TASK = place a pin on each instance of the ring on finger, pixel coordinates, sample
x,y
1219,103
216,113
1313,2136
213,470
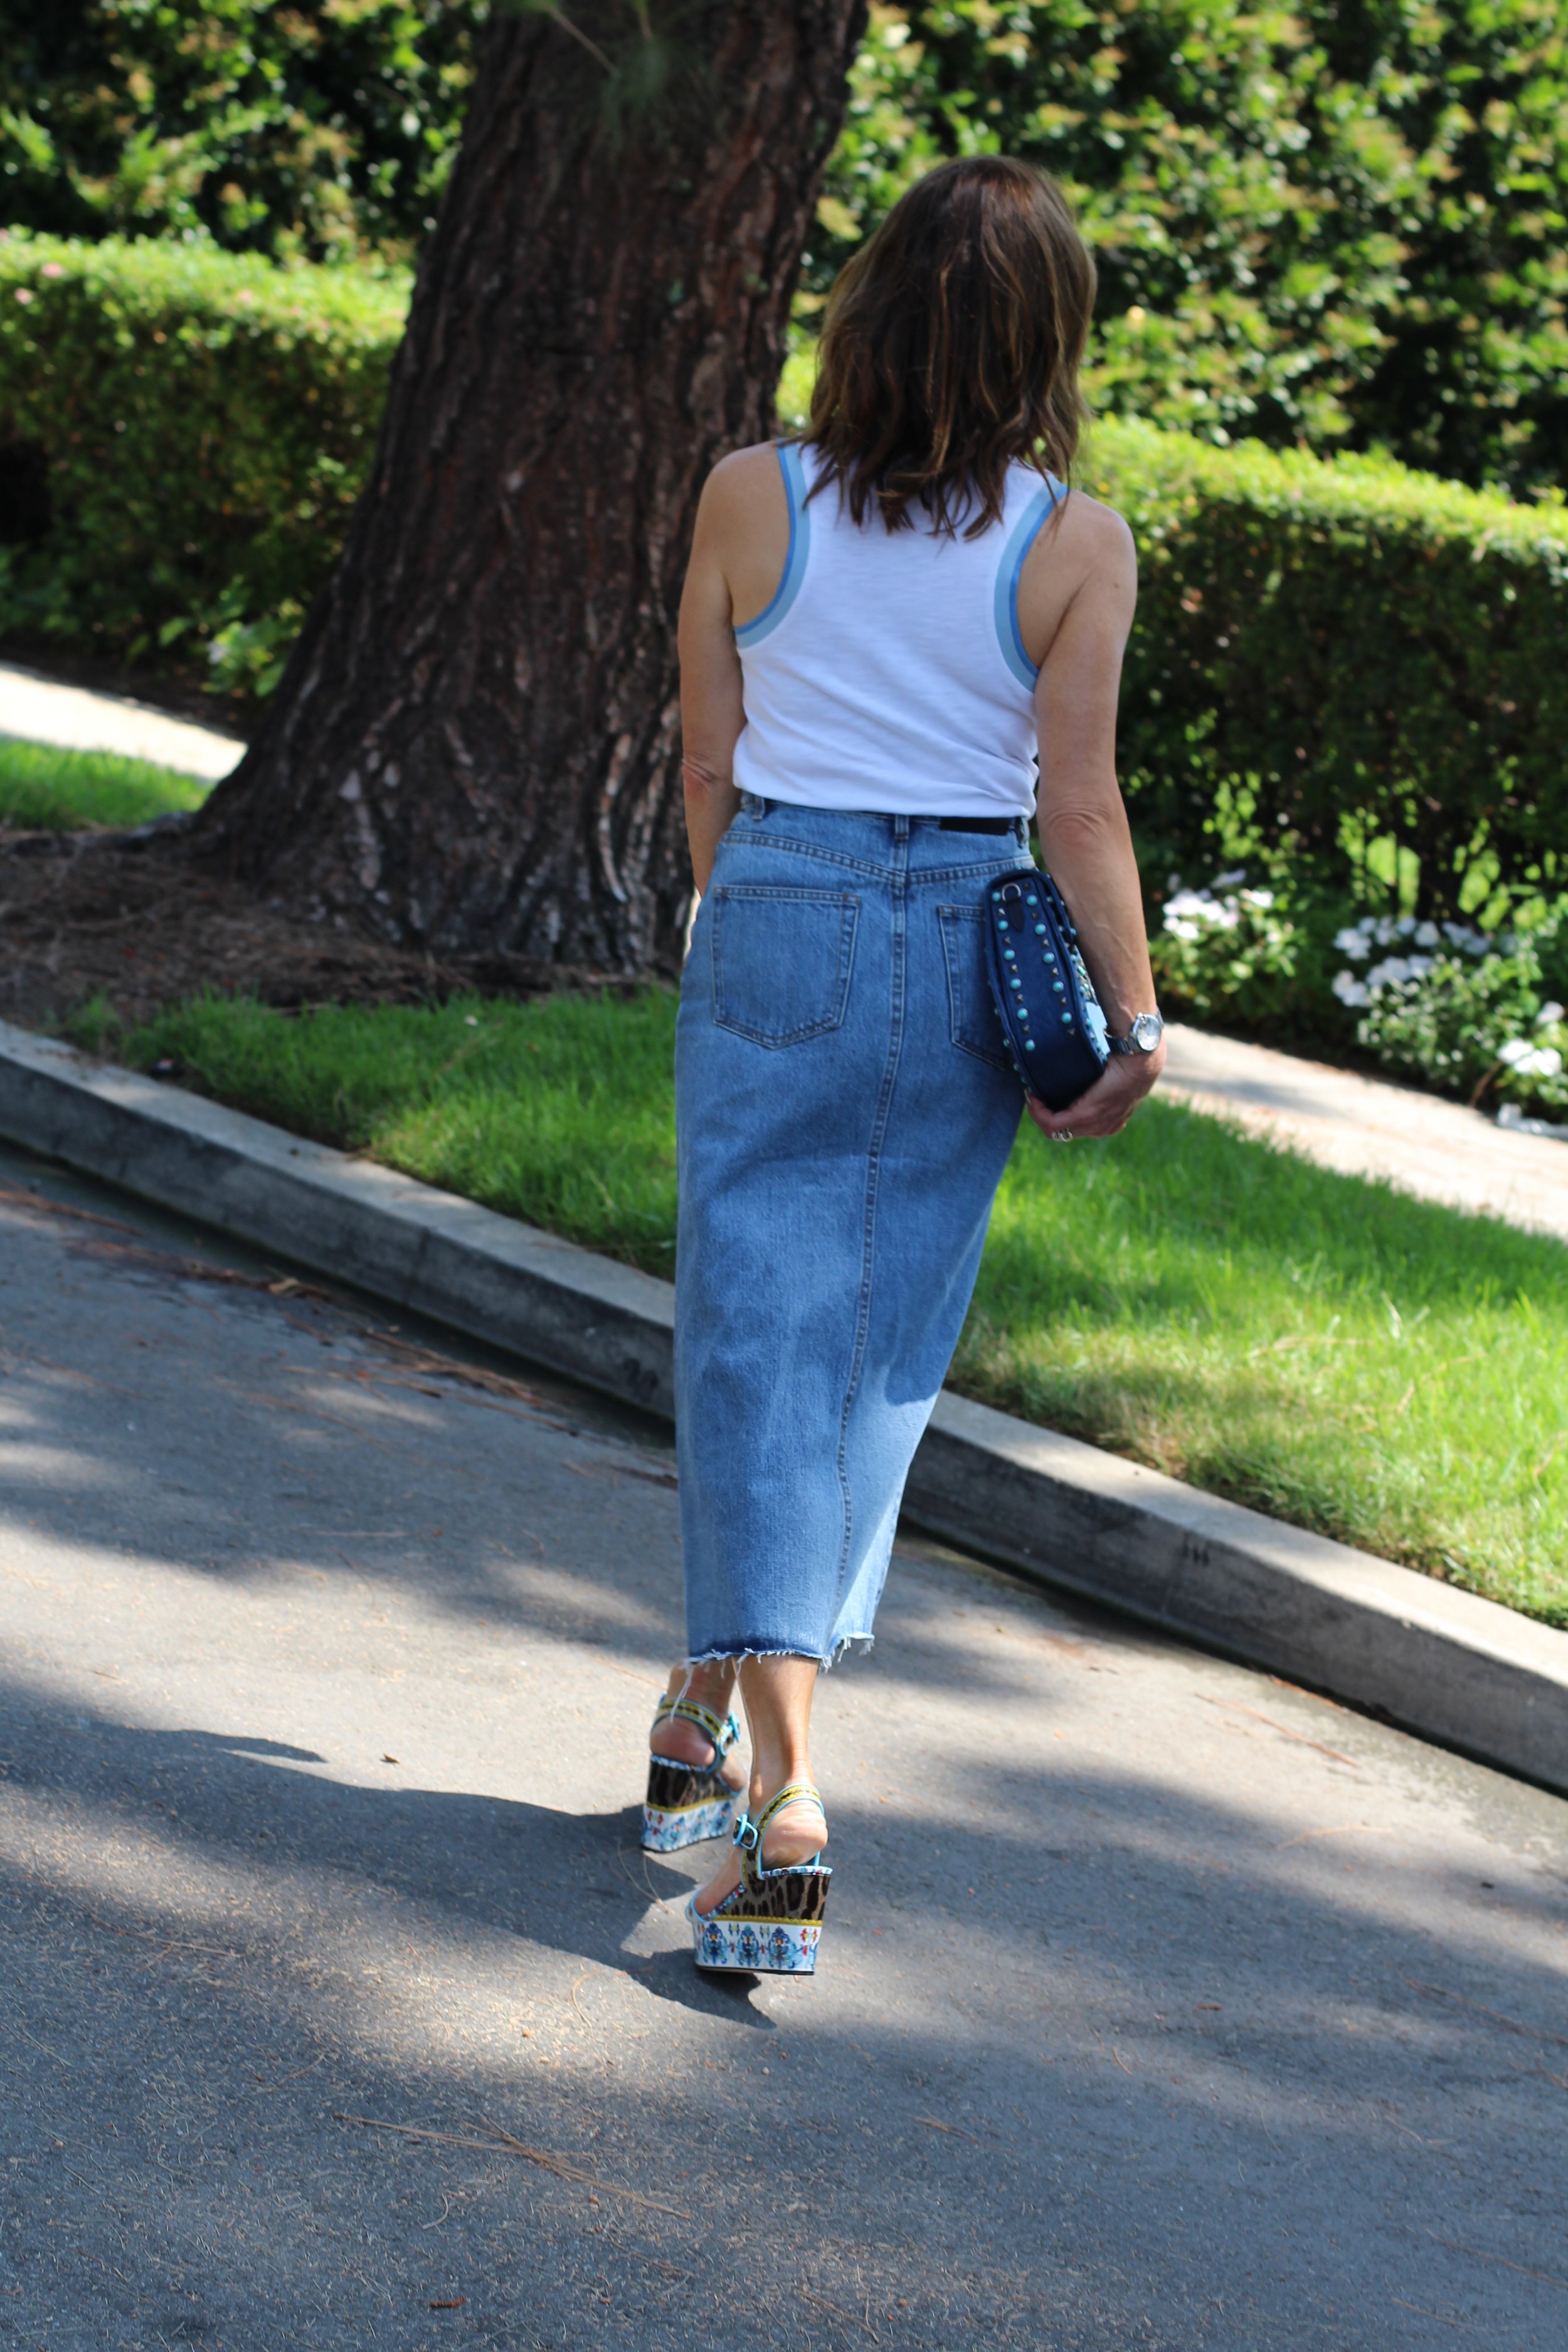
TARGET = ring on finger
x,y
1062,1134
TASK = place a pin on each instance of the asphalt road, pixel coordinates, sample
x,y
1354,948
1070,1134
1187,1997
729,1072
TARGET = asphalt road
x,y
1160,2005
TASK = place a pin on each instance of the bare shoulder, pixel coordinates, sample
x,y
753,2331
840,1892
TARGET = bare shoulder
x,y
1091,538
746,480
742,528
1083,563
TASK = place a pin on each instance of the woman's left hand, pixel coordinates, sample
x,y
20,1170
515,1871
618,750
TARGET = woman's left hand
x,y
1108,1105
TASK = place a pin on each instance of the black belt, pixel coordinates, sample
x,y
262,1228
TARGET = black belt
x,y
977,824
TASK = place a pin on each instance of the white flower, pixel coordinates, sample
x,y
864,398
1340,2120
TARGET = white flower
x,y
1548,1016
1527,1061
1264,899
1352,941
1388,973
1228,881
1427,935
1349,989
1418,966
1407,927
1179,929
1384,932
1461,935
1197,906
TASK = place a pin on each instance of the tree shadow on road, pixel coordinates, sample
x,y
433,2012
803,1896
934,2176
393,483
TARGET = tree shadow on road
x,y
1064,2034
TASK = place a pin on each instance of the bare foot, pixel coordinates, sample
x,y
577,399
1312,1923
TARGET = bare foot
x,y
713,1686
796,1834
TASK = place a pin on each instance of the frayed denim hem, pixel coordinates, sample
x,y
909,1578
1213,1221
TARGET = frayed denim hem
x,y
823,1664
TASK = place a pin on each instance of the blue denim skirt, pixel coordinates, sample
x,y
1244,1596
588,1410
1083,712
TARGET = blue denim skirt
x,y
844,1107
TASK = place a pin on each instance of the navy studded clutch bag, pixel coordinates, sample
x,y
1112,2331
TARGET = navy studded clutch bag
x,y
1050,1015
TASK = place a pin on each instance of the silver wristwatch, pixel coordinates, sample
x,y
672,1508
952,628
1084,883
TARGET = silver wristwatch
x,y
1145,1033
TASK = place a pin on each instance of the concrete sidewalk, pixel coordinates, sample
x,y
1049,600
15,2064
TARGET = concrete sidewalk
x,y
39,709
1160,2005
1365,1127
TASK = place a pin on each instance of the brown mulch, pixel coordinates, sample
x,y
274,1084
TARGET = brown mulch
x,y
146,923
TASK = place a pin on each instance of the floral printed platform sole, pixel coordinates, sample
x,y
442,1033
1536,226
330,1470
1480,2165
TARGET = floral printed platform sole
x,y
771,1924
688,1802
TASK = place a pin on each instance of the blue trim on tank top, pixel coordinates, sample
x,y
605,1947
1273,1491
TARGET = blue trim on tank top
x,y
752,632
1025,531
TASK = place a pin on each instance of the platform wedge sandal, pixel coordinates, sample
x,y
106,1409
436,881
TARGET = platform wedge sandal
x,y
771,1924
688,1802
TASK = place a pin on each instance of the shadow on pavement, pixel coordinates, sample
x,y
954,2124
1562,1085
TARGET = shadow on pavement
x,y
1129,2032
1149,2098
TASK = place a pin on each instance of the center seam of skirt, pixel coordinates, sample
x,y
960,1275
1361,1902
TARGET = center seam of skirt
x,y
873,1173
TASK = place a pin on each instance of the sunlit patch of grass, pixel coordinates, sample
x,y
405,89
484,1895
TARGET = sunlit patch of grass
x,y
47,790
560,1112
1331,1351
1379,1369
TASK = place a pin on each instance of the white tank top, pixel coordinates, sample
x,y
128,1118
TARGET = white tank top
x,y
888,672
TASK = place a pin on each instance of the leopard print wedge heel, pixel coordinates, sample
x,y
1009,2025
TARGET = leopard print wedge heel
x,y
688,1802
771,1924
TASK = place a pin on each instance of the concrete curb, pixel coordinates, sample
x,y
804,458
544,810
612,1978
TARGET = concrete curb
x,y
1441,1661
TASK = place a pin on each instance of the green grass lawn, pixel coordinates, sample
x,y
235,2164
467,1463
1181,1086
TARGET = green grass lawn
x,y
47,788
1386,1371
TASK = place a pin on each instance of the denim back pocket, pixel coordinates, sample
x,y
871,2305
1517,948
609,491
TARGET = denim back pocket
x,y
780,960
973,1021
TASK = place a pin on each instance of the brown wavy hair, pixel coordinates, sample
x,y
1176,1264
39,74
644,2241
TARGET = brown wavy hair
x,y
951,346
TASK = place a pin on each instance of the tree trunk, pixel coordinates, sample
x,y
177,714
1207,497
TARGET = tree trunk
x,y
475,746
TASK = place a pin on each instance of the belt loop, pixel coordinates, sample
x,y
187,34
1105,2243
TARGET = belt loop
x,y
901,828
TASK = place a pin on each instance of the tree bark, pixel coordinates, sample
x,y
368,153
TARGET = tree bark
x,y
475,746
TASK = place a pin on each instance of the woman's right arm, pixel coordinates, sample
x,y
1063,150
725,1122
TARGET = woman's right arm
x,y
1084,834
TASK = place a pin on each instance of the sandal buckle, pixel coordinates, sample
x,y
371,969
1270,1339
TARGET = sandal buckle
x,y
744,1833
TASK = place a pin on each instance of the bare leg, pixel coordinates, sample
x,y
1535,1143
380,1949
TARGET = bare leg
x,y
712,1685
778,1693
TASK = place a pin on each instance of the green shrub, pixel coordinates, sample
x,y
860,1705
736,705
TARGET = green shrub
x,y
1340,224
206,421
1342,665
1457,1011
1337,224
313,131
1336,661
1229,952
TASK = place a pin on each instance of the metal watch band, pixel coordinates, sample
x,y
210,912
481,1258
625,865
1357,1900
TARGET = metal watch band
x,y
1132,1043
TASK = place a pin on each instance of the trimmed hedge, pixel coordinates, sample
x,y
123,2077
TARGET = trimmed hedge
x,y
206,422
1331,657
1329,653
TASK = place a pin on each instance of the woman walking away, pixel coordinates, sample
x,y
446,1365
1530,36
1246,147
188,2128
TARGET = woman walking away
x,y
881,622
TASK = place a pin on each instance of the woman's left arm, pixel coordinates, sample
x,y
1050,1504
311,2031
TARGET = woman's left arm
x,y
711,710
1084,833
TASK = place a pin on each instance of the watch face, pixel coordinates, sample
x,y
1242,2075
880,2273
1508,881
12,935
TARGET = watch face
x,y
1147,1030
